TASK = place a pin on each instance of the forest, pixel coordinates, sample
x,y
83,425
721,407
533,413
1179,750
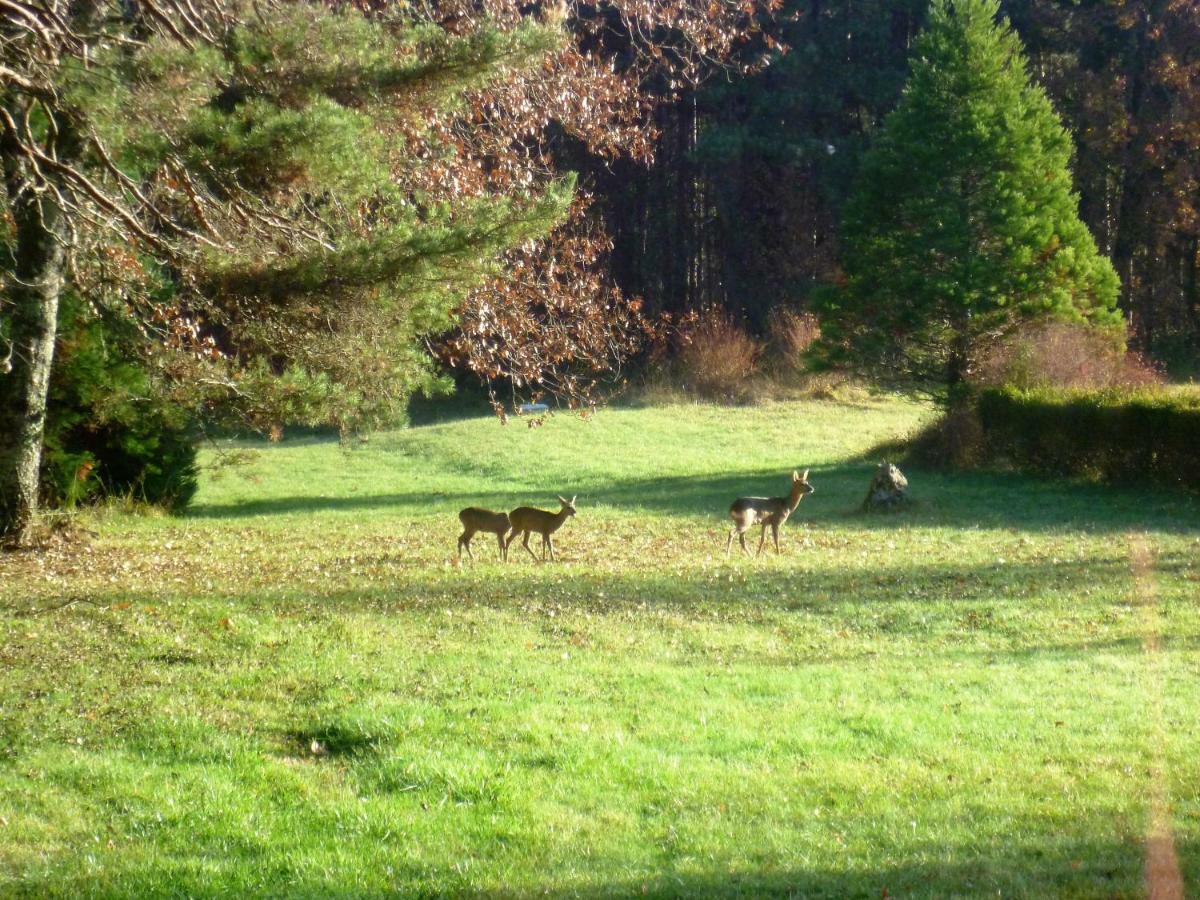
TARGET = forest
x,y
743,204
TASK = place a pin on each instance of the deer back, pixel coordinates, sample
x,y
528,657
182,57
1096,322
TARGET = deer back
x,y
475,519
527,518
760,509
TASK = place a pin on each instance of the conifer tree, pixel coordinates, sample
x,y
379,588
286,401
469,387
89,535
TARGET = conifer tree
x,y
239,183
963,222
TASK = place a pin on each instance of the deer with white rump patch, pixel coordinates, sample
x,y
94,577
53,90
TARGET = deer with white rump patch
x,y
764,511
526,519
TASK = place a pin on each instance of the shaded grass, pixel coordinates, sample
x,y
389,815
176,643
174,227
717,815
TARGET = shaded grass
x,y
951,702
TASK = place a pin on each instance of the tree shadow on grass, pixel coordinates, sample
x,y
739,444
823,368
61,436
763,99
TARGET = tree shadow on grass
x,y
933,590
962,500
1059,867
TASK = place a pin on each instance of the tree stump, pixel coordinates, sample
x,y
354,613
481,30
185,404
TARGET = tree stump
x,y
888,491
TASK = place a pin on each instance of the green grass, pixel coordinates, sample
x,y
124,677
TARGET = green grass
x,y
295,691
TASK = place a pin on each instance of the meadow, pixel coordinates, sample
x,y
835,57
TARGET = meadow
x,y
296,690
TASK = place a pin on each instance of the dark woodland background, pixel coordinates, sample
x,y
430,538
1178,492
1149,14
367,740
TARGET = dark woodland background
x,y
741,206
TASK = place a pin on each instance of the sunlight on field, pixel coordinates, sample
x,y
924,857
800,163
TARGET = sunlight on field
x,y
297,690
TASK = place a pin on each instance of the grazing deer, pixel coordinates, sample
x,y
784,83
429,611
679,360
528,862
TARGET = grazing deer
x,y
764,511
475,520
526,519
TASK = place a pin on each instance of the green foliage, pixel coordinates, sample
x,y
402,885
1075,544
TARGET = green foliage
x,y
303,52
309,149
1124,437
418,257
963,222
264,146
107,434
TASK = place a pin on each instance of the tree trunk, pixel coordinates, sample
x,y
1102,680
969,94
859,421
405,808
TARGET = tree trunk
x,y
31,308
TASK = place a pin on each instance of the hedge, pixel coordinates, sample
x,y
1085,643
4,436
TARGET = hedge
x,y
1148,435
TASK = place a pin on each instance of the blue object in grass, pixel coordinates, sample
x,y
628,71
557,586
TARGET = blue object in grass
x,y
533,408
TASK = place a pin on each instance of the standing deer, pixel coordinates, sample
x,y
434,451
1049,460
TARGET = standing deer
x,y
773,511
526,519
475,520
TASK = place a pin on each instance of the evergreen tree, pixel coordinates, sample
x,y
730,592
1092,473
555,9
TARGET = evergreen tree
x,y
108,432
266,197
963,222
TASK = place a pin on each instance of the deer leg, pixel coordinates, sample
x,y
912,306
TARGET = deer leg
x,y
550,544
762,540
525,544
503,549
775,535
742,541
464,540
729,543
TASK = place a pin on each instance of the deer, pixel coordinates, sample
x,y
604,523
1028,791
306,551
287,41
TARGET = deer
x,y
526,519
764,511
475,520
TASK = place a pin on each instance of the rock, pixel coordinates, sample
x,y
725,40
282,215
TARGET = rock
x,y
888,491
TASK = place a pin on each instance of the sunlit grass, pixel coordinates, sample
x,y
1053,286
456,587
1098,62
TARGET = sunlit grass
x,y
296,691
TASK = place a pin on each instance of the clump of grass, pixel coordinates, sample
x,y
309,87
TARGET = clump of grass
x,y
716,358
790,335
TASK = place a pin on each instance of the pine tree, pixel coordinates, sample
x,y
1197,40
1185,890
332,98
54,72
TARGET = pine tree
x,y
262,195
963,222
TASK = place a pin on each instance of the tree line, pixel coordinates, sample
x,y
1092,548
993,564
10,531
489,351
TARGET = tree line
x,y
745,204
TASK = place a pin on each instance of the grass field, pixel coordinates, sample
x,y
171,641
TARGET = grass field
x,y
294,691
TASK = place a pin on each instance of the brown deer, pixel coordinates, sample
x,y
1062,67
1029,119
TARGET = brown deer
x,y
764,511
526,519
475,520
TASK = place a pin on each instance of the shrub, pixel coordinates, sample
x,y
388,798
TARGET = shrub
x,y
1065,355
790,335
106,432
955,441
1144,435
716,358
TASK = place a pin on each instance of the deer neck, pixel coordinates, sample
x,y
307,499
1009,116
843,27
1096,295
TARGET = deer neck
x,y
794,498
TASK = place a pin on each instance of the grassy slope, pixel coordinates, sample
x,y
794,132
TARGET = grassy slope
x,y
956,701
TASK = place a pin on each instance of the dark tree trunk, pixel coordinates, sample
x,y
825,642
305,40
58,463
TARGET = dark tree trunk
x,y
31,308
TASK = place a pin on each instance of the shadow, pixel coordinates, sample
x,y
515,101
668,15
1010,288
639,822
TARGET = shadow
x,y
1057,867
901,598
962,500
401,502
464,403
908,595
957,499
333,739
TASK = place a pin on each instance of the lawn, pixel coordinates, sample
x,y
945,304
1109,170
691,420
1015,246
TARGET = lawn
x,y
294,690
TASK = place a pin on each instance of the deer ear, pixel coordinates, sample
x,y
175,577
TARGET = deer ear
x,y
562,500
573,496
804,477
795,475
